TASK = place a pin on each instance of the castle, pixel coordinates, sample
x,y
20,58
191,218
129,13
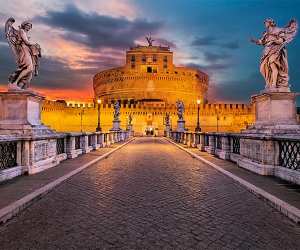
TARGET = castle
x,y
148,86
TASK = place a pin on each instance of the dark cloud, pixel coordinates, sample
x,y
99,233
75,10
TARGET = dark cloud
x,y
204,41
7,62
236,91
215,57
100,62
231,45
230,91
214,41
55,74
164,42
210,68
96,30
2,38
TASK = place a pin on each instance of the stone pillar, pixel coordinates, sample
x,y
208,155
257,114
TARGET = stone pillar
x,y
116,125
20,114
189,139
167,131
194,140
85,144
129,129
180,126
184,138
101,140
224,153
181,134
275,113
212,142
71,151
104,141
110,137
259,154
95,145
201,142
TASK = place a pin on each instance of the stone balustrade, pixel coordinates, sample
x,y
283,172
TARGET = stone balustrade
x,y
19,155
265,155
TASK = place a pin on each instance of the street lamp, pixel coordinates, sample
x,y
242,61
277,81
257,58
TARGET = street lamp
x,y
98,129
218,117
81,114
198,129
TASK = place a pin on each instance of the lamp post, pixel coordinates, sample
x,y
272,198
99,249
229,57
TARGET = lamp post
x,y
81,114
98,129
218,118
198,129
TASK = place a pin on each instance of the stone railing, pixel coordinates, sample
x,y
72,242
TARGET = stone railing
x,y
19,155
264,155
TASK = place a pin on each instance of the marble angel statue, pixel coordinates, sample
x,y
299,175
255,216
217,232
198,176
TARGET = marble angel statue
x,y
26,53
274,62
129,120
116,111
180,109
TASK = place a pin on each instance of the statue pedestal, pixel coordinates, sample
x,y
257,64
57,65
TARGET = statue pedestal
x,y
20,113
275,112
181,126
116,126
129,128
167,130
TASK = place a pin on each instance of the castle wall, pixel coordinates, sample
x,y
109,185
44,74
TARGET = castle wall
x,y
213,117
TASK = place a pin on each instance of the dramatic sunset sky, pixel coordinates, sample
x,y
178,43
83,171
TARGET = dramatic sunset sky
x,y
81,37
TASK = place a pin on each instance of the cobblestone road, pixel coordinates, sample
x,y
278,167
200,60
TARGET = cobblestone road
x,y
150,195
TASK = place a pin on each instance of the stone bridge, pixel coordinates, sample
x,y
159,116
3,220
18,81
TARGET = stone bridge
x,y
150,195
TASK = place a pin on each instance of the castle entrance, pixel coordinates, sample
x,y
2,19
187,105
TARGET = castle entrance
x,y
149,131
151,128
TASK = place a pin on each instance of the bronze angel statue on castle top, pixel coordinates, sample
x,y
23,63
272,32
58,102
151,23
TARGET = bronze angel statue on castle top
x,y
26,53
274,62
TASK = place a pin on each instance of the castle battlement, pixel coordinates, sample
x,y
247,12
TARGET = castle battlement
x,y
209,108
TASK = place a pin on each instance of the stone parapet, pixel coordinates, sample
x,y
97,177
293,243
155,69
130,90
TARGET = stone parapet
x,y
31,155
277,155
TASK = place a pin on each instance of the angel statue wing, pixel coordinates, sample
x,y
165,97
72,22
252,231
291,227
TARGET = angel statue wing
x,y
290,31
11,35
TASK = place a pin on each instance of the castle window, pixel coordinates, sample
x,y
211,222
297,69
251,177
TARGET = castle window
x,y
133,58
143,58
149,69
154,58
165,58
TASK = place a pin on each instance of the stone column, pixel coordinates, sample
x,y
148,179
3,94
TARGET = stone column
x,y
212,142
259,154
194,140
224,153
85,143
201,142
94,141
189,139
180,125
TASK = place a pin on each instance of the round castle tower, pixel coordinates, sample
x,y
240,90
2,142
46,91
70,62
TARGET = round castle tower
x,y
149,75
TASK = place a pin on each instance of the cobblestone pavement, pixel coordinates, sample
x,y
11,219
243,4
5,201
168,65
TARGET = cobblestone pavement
x,y
150,195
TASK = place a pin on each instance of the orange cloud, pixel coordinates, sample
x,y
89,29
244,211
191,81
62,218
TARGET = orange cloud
x,y
62,94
